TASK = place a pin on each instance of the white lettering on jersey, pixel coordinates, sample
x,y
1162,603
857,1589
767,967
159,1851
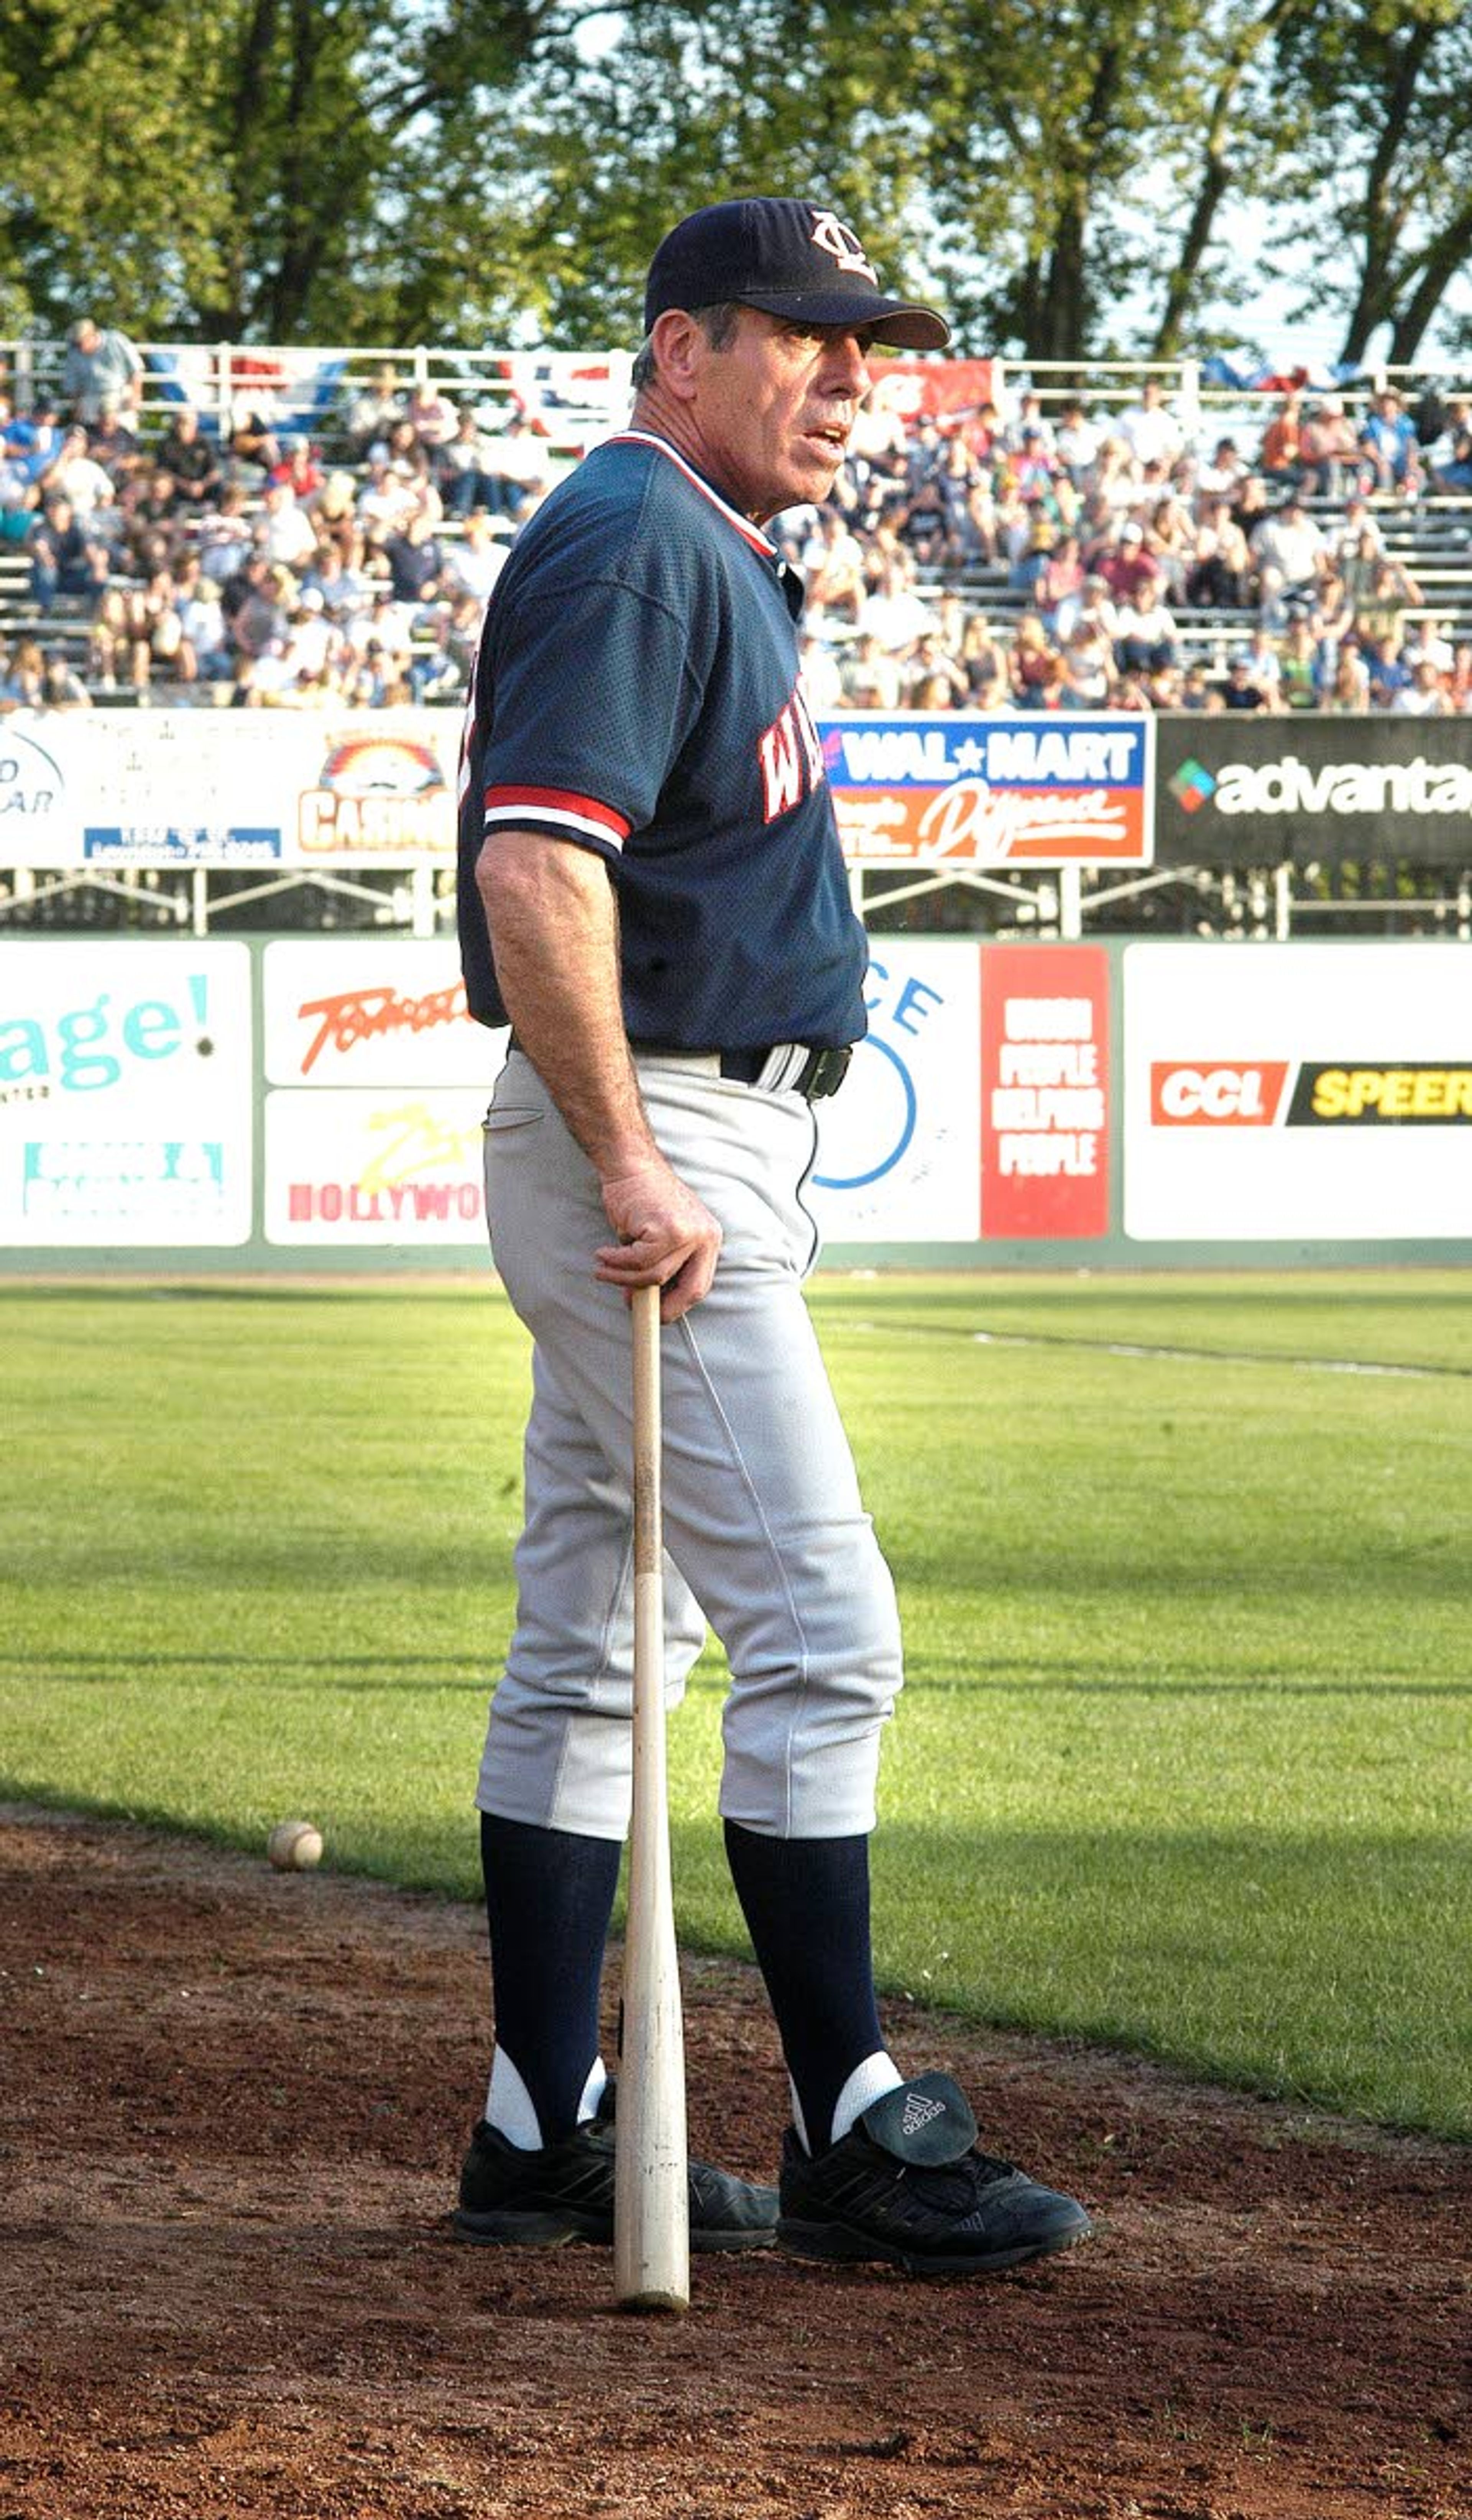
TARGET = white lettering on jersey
x,y
790,754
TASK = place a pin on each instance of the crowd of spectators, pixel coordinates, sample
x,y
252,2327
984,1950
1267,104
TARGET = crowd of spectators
x,y
278,568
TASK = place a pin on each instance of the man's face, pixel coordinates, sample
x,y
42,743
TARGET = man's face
x,y
774,409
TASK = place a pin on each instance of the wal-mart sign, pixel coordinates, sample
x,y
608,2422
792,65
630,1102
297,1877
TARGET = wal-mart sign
x,y
1026,790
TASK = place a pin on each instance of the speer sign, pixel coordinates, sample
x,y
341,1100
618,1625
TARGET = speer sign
x,y
1242,790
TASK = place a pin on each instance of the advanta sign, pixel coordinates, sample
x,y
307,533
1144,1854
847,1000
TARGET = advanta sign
x,y
1257,791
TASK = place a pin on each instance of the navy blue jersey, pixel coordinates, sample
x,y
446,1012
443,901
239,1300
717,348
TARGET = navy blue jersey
x,y
636,693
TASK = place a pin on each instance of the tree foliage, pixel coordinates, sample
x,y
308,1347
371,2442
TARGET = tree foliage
x,y
1075,180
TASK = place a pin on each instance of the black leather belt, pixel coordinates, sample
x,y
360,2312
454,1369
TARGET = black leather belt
x,y
819,1074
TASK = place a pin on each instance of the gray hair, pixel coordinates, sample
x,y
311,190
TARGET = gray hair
x,y
718,323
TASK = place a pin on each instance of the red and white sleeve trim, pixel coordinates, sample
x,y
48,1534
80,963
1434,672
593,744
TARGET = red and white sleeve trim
x,y
557,809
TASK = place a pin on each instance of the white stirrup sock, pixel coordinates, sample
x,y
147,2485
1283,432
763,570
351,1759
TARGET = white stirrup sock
x,y
509,2104
866,2084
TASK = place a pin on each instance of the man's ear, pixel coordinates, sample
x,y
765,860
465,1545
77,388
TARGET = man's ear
x,y
679,345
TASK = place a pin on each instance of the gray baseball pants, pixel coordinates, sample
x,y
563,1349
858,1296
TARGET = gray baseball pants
x,y
765,1533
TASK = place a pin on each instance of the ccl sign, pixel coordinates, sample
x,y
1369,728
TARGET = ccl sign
x,y
1216,1094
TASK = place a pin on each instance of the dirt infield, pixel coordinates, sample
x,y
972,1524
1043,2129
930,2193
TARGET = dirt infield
x,y
233,2108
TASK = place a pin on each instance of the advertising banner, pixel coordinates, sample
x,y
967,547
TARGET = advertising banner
x,y
1278,1093
397,1165
991,792
364,1010
378,1081
899,1147
126,1094
1240,790
1044,1092
203,787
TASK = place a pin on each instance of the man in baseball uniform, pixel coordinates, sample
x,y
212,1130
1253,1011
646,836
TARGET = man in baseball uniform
x,y
652,893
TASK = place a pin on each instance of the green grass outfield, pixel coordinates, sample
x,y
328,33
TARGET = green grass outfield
x,y
1185,1761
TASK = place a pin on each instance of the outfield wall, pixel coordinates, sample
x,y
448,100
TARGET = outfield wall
x,y
315,1102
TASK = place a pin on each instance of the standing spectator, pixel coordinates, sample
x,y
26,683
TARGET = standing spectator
x,y
102,371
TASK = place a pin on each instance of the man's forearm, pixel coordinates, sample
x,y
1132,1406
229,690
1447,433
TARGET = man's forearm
x,y
553,918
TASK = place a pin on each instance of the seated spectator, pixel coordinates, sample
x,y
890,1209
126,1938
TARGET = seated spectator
x,y
62,685
1452,473
1035,668
1077,445
433,416
894,612
65,559
1423,695
1151,432
202,620
934,670
300,469
1355,530
871,677
832,561
1388,442
334,509
1128,568
821,674
984,659
1090,608
1033,559
1385,662
1168,540
1279,454
85,484
460,469
1114,477
415,561
1429,642
1144,632
438,674
102,371
1380,611
1060,576
1197,694
514,466
1219,571
476,562
116,447
1328,449
1289,543
285,531
1029,427
224,534
1223,472
1301,677
1348,693
1244,690
22,682
1087,679
192,461
372,413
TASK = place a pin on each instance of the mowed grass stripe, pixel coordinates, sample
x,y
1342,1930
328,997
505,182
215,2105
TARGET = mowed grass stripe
x,y
1183,1760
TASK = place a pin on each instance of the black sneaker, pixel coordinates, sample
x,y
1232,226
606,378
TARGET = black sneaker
x,y
906,2186
565,2192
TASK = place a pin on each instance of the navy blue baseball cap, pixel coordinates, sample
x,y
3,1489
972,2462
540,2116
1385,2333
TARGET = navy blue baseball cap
x,y
789,258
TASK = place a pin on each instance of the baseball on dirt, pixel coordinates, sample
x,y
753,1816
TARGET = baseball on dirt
x,y
294,1846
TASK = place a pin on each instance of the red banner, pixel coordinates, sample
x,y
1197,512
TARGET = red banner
x,y
1045,1093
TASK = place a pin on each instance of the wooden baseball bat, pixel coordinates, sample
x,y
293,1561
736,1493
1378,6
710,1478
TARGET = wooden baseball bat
x,y
651,2170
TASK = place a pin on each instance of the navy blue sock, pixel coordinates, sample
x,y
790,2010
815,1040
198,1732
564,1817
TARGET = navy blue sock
x,y
548,1899
806,1904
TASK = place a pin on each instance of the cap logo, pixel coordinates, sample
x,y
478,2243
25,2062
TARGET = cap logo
x,y
831,236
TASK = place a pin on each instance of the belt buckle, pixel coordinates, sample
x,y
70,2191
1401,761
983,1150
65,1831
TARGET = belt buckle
x,y
823,1073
